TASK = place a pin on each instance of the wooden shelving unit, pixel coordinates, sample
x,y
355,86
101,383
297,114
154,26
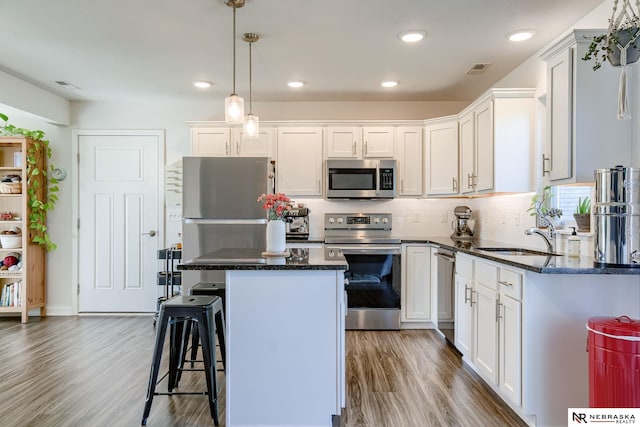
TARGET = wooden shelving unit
x,y
31,277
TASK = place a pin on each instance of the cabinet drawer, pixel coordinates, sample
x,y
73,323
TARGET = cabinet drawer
x,y
464,267
487,275
511,283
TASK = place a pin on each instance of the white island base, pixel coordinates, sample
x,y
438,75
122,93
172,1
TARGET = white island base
x,y
285,347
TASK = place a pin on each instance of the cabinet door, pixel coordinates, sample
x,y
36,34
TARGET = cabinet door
x,y
214,142
483,177
344,142
486,336
416,276
558,155
464,297
378,142
409,155
299,161
510,348
467,153
442,159
262,146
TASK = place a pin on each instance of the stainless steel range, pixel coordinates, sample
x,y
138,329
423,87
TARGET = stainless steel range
x,y
372,281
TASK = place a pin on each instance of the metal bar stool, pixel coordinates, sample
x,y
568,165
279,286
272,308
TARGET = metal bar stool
x,y
211,289
179,312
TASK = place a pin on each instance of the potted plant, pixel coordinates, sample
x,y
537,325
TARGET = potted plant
x,y
583,214
620,47
541,209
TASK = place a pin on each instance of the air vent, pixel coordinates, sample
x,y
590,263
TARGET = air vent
x,y
67,85
477,69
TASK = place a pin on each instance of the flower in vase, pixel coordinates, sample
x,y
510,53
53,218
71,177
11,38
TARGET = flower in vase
x,y
277,205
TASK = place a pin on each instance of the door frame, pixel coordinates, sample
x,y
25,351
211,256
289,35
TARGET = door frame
x,y
75,196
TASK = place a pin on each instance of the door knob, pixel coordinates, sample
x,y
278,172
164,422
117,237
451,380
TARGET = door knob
x,y
150,233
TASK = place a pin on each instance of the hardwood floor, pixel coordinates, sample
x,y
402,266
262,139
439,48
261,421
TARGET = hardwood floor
x,y
93,371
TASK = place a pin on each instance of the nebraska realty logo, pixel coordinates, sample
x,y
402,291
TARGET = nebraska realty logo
x,y
602,416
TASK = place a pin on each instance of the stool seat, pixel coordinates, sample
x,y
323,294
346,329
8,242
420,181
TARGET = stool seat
x,y
179,313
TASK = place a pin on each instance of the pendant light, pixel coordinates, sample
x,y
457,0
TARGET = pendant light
x,y
233,104
251,121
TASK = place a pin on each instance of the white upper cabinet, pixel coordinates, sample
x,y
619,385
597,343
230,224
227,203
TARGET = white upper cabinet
x,y
409,156
377,141
496,142
441,157
360,142
230,142
583,132
344,142
299,161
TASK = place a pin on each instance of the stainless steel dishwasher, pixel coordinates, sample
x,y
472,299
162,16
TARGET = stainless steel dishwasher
x,y
446,314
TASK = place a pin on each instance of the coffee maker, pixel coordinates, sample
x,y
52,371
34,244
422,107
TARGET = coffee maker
x,y
297,223
463,224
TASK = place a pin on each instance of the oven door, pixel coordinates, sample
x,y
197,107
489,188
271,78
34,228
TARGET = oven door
x,y
372,284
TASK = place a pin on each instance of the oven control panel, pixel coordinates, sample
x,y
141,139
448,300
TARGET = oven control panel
x,y
357,221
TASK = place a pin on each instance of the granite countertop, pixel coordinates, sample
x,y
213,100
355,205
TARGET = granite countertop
x,y
560,264
252,259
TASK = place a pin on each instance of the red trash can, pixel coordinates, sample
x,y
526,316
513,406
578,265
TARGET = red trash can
x,y
613,344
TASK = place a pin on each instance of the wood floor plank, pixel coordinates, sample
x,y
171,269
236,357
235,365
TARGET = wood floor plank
x,y
93,371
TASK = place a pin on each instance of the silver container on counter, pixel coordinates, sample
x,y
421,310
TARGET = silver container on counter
x,y
616,215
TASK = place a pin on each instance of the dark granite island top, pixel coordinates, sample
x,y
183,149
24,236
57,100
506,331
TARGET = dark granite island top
x,y
252,259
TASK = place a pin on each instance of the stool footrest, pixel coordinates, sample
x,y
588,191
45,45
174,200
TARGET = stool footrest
x,y
173,393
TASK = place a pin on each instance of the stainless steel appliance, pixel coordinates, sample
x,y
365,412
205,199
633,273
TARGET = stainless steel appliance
x,y
361,179
372,282
446,291
297,224
220,208
617,217
463,224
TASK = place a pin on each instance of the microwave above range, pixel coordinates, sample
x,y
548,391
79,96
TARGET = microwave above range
x,y
361,179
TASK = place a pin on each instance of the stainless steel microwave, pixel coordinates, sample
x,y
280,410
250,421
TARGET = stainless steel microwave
x,y
361,179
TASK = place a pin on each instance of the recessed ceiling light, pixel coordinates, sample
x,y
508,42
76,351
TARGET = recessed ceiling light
x,y
295,84
520,35
389,83
412,36
202,84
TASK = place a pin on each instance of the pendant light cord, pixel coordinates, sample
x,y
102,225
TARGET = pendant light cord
x,y
234,47
250,85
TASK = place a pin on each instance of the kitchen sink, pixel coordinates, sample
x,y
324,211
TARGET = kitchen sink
x,y
517,252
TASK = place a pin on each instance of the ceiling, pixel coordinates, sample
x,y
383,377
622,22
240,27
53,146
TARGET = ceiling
x,y
342,50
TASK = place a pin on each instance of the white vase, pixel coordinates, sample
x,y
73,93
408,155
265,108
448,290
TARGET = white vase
x,y
276,236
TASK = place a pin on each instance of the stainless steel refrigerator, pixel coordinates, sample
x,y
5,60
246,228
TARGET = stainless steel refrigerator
x,y
220,208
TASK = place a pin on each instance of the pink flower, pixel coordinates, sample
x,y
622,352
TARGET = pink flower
x,y
277,205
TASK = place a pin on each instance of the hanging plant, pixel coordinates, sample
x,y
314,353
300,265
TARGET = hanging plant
x,y
42,188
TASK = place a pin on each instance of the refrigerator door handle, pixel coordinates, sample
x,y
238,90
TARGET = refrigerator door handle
x,y
224,221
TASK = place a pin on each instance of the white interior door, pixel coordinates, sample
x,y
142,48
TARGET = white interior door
x,y
120,207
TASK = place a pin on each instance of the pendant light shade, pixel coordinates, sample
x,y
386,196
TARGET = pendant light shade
x,y
233,104
251,121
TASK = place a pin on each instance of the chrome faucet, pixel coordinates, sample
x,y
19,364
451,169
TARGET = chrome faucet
x,y
549,235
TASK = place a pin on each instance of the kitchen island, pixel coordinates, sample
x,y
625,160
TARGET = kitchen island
x,y
285,335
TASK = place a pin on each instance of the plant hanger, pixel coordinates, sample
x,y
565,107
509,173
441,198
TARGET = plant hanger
x,y
626,19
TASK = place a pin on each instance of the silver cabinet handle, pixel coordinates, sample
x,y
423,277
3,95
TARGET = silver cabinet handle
x,y
353,148
498,316
469,180
467,299
454,184
319,186
545,159
150,233
365,148
504,282
237,148
402,185
226,148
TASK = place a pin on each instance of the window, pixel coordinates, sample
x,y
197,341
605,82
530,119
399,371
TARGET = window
x,y
566,197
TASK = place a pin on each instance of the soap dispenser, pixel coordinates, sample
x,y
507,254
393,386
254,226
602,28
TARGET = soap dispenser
x,y
573,244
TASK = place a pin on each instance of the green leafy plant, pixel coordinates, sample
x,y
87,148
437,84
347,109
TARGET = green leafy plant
x,y
540,205
604,47
42,189
584,205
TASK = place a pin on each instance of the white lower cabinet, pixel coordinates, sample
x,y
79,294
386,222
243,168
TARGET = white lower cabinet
x,y
416,283
489,323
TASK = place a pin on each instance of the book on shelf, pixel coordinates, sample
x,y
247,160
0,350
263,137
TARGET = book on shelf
x,y
11,295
